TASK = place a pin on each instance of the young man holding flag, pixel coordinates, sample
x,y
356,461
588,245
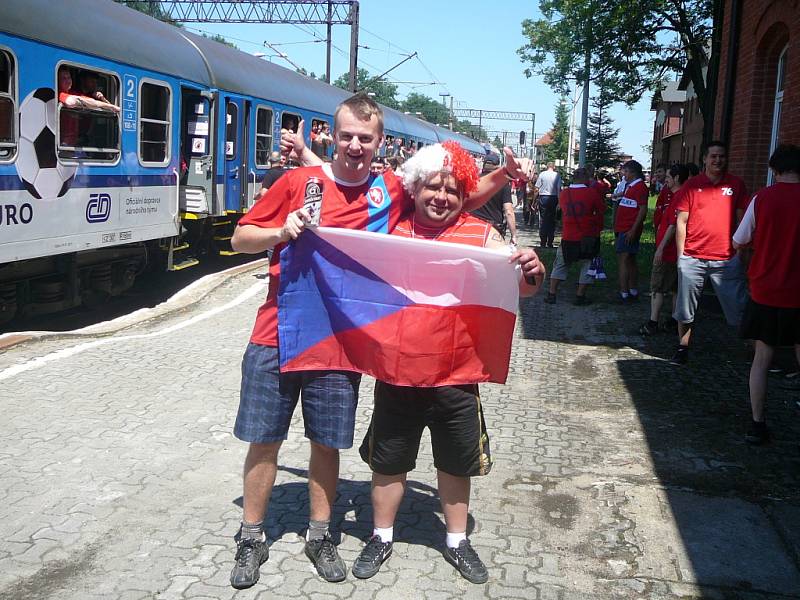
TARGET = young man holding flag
x,y
338,194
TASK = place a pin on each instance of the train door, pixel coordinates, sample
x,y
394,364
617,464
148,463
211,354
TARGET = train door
x,y
196,151
236,110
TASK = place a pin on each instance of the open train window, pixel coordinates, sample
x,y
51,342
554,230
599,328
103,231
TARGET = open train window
x,y
88,114
321,138
263,136
154,123
290,121
231,129
8,92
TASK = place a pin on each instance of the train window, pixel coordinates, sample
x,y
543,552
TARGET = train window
x,y
321,139
154,123
263,136
289,121
231,129
88,115
8,134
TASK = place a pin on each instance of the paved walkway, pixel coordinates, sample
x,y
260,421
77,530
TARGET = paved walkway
x,y
617,475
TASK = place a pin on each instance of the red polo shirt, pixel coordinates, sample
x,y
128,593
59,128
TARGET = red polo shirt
x,y
712,214
632,200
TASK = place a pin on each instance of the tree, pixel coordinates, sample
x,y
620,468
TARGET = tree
x,y
559,146
601,143
432,110
631,44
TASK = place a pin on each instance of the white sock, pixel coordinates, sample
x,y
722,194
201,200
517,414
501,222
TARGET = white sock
x,y
386,533
634,292
454,539
624,294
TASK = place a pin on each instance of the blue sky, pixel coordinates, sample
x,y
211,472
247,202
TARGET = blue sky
x,y
467,47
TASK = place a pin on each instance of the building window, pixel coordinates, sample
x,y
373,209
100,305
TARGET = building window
x,y
154,123
88,114
263,136
776,111
8,130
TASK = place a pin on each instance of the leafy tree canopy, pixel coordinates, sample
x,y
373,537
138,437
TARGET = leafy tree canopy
x,y
631,44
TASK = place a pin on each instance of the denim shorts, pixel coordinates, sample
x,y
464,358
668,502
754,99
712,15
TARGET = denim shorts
x,y
268,399
623,247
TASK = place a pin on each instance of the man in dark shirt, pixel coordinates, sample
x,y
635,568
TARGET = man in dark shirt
x,y
499,209
276,169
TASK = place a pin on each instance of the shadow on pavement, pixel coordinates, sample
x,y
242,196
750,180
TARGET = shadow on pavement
x,y
419,519
736,507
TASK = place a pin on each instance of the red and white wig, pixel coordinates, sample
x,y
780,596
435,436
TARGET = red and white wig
x,y
449,158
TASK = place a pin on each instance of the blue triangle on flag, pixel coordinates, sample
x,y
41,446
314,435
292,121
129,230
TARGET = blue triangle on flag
x,y
324,291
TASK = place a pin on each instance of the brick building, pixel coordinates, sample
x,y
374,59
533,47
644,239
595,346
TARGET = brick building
x,y
668,127
758,99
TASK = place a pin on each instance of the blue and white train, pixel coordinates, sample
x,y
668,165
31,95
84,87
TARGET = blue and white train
x,y
88,198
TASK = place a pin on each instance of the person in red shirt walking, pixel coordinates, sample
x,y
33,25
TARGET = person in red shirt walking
x,y
664,276
772,316
582,209
709,207
628,222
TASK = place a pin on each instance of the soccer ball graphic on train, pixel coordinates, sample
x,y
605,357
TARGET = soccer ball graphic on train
x,y
37,164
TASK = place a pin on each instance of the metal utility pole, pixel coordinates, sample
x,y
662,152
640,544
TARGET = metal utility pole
x,y
353,46
585,111
328,44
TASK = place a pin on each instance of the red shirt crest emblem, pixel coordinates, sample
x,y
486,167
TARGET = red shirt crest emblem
x,y
376,196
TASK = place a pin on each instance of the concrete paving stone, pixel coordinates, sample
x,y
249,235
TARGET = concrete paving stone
x,y
593,437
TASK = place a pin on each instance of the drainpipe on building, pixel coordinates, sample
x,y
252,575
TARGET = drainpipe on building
x,y
730,70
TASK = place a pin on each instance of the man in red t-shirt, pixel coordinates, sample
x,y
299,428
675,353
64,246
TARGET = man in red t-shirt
x,y
628,223
337,194
582,209
709,206
772,316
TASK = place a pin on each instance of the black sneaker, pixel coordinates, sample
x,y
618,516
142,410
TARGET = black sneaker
x,y
467,562
582,301
372,557
681,356
649,328
757,433
326,559
550,298
633,297
623,299
250,555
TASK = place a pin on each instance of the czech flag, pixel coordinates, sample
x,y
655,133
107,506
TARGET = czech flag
x,y
406,311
